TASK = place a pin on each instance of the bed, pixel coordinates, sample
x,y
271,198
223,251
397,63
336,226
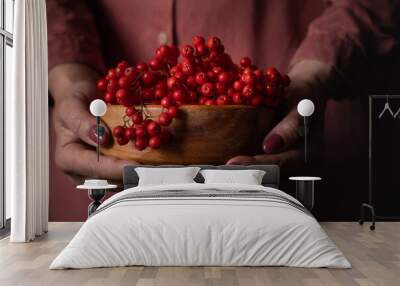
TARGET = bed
x,y
198,224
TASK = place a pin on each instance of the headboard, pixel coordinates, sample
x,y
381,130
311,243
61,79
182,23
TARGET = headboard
x,y
271,177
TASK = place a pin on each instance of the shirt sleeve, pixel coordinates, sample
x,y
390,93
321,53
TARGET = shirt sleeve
x,y
349,34
72,34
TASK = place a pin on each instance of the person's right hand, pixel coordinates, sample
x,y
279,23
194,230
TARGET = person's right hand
x,y
73,86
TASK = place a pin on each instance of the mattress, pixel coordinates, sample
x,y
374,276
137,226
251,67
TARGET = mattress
x,y
201,225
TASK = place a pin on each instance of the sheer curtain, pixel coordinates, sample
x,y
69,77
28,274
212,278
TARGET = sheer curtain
x,y
27,124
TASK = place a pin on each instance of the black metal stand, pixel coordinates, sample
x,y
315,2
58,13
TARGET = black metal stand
x,y
373,217
95,196
305,193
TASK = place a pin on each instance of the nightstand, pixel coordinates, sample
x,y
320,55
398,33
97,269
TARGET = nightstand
x,y
96,193
305,190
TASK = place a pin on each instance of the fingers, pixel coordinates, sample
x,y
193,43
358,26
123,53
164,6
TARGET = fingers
x,y
241,160
284,134
289,159
74,158
73,112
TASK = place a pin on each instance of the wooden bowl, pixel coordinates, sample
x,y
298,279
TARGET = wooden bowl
x,y
201,135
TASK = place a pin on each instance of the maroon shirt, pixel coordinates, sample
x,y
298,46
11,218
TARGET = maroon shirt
x,y
341,33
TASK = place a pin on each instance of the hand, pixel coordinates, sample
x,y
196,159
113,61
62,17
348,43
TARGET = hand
x,y
73,86
282,144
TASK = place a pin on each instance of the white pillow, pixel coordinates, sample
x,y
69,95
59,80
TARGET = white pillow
x,y
248,177
163,176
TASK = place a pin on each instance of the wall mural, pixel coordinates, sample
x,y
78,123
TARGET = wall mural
x,y
184,83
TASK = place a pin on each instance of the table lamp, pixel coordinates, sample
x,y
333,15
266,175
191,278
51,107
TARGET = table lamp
x,y
305,108
98,108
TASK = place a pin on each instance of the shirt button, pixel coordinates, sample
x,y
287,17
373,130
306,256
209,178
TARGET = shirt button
x,y
162,38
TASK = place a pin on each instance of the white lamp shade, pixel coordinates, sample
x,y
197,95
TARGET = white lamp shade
x,y
305,107
98,107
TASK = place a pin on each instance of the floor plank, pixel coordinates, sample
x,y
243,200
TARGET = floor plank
x,y
375,257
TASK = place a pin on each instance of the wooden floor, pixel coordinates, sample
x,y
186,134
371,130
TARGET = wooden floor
x,y
375,257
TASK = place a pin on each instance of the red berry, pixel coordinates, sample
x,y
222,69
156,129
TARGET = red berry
x,y
230,91
153,128
187,51
163,52
201,78
191,81
179,95
213,43
112,85
248,70
248,78
256,100
102,84
188,68
137,118
148,77
166,102
191,97
122,141
159,93
258,74
119,131
209,102
271,70
156,64
217,70
123,65
122,94
225,77
198,40
270,89
109,97
124,82
211,75
180,76
245,62
223,100
112,73
148,94
172,82
129,111
140,131
131,73
161,85
238,98
173,111
155,142
129,133
142,67
201,50
208,89
248,91
174,51
141,143
165,119
119,71
238,85
221,88
202,100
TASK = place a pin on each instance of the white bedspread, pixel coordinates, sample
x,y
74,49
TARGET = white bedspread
x,y
200,231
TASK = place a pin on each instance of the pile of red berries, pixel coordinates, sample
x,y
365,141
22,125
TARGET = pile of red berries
x,y
205,75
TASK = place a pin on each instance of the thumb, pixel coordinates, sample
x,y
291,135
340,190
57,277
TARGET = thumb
x,y
284,134
76,117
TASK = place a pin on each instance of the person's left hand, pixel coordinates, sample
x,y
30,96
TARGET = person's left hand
x,y
282,145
